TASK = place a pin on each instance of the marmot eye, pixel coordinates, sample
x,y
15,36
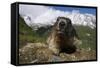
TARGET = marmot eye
x,y
62,23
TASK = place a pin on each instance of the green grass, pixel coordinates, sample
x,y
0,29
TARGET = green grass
x,y
26,34
87,35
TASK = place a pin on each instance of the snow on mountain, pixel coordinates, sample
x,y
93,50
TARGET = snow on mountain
x,y
40,16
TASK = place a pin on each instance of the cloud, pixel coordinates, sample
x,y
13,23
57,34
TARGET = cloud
x,y
32,10
42,15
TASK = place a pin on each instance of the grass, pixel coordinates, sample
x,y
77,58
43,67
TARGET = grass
x,y
26,34
87,35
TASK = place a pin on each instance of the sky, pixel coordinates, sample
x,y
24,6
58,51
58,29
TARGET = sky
x,y
82,10
61,8
47,15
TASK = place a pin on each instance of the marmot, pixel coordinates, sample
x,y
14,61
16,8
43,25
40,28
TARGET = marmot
x,y
63,37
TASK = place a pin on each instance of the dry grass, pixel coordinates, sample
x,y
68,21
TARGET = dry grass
x,y
39,53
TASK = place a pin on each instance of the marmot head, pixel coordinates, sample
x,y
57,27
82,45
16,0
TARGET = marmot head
x,y
63,27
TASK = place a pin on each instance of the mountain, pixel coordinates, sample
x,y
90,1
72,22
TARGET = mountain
x,y
23,27
27,34
49,18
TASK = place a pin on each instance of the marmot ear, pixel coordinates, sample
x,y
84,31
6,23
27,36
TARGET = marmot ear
x,y
58,18
70,23
57,21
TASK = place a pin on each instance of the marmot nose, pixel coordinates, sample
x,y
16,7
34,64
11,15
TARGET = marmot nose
x,y
62,24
